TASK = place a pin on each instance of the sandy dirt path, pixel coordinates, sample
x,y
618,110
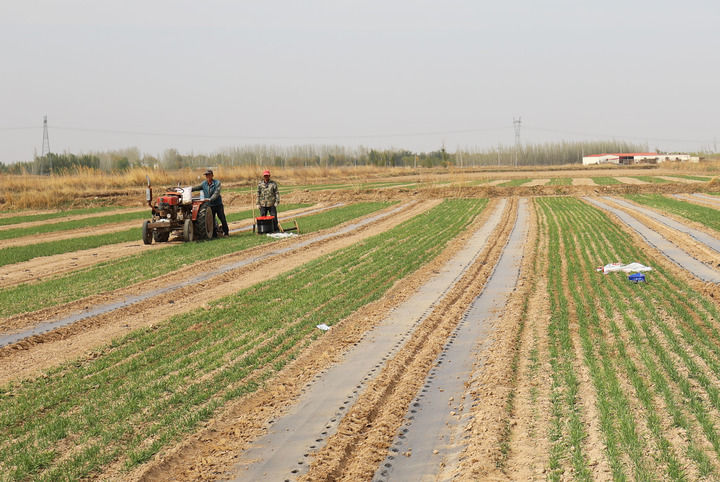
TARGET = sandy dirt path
x,y
583,181
29,357
42,268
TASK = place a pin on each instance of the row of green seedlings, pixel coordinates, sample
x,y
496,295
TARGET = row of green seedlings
x,y
515,182
659,339
26,218
560,181
147,390
12,233
18,254
567,431
121,272
708,216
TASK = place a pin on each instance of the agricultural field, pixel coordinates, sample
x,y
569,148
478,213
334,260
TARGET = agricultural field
x,y
419,326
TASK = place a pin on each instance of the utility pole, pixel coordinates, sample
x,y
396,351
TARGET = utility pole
x,y
46,142
516,125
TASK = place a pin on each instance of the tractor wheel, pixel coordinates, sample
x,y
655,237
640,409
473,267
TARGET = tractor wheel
x,y
204,222
161,236
147,234
188,230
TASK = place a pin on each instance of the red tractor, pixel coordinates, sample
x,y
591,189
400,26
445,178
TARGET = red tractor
x,y
177,210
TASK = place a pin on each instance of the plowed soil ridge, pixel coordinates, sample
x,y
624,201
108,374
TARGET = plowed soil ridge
x,y
433,433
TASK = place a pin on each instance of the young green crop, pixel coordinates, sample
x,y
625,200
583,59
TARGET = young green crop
x,y
651,179
148,389
694,178
117,273
560,181
708,216
18,254
515,182
25,218
634,339
605,181
75,224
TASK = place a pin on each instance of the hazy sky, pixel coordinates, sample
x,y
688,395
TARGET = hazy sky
x,y
202,75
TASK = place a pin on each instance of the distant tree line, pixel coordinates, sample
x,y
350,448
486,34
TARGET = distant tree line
x,y
551,153
322,155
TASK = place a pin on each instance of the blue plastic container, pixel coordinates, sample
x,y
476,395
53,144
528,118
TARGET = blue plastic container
x,y
637,278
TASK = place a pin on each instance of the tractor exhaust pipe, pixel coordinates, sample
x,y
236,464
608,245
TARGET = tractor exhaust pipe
x,y
148,192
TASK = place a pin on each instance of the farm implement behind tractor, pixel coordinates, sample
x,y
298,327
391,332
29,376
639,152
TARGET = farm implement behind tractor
x,y
177,210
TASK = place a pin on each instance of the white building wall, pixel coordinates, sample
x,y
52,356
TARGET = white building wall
x,y
588,160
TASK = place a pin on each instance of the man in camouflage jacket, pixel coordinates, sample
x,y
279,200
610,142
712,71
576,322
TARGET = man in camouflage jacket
x,y
268,197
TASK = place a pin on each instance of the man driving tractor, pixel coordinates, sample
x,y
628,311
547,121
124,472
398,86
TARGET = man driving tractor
x,y
211,190
268,197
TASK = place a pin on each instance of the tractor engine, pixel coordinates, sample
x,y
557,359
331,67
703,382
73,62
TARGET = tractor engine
x,y
167,206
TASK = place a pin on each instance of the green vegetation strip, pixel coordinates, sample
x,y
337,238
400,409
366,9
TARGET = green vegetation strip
x,y
25,218
18,254
605,181
708,216
651,179
652,351
147,390
694,178
75,224
560,181
515,182
121,272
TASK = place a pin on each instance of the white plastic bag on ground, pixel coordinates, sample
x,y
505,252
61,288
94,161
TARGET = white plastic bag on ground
x,y
281,235
625,268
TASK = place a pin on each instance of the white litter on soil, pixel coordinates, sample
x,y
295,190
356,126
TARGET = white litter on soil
x,y
625,268
281,235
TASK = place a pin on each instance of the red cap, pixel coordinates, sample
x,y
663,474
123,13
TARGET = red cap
x,y
266,172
